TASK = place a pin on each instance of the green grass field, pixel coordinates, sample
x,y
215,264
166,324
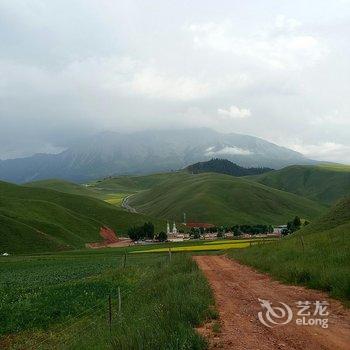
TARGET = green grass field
x,y
323,183
39,219
318,256
61,301
223,200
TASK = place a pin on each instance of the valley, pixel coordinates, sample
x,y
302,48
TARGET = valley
x,y
45,226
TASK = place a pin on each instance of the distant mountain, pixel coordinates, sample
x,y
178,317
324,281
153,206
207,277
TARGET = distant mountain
x,y
112,153
224,166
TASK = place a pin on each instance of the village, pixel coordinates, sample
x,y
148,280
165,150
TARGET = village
x,y
207,231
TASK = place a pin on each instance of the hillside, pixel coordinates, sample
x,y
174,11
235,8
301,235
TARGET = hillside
x,y
221,199
323,183
63,186
317,255
224,166
146,152
127,184
37,219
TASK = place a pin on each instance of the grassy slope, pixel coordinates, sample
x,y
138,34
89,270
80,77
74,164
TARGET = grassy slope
x,y
128,184
37,219
323,263
323,183
63,186
221,199
67,304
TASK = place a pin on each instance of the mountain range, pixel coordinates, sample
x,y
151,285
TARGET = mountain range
x,y
112,153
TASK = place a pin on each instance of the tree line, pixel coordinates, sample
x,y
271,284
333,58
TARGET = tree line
x,y
146,231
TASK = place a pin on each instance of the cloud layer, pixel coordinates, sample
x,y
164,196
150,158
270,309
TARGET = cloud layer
x,y
278,71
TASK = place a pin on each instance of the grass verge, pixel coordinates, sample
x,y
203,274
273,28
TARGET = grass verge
x,y
318,260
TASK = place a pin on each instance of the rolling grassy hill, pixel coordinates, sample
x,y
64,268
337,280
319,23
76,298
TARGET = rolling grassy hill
x,y
317,256
39,219
64,186
129,184
323,183
221,199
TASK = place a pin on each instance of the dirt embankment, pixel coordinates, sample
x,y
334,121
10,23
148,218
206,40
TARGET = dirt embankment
x,y
110,239
237,291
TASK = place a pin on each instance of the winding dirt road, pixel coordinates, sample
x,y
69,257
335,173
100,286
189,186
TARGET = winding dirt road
x,y
237,289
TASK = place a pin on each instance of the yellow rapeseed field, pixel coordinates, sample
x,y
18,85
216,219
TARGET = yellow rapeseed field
x,y
193,248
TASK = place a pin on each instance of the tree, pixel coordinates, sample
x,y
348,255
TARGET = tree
x,y
135,233
294,225
297,222
162,236
141,232
148,229
196,233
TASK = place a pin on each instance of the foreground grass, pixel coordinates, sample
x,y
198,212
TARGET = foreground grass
x,y
61,301
317,260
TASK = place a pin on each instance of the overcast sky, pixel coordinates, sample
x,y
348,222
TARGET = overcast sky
x,y
276,69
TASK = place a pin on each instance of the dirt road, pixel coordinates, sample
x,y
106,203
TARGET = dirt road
x,y
125,204
237,289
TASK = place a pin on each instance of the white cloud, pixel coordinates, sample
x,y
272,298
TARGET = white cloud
x,y
281,46
332,118
150,83
129,66
324,151
282,22
228,150
234,112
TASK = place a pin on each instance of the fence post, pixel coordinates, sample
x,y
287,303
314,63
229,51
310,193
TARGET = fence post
x,y
110,313
119,301
302,243
124,262
169,254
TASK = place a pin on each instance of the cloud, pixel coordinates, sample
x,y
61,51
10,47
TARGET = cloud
x,y
150,83
332,118
234,112
281,46
284,23
228,150
324,151
70,69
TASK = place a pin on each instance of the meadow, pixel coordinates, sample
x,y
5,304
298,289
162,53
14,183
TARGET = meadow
x,y
325,183
61,301
222,200
35,219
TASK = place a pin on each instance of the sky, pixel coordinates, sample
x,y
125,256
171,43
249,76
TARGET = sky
x,y
276,69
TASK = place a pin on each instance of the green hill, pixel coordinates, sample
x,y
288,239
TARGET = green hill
x,y
128,184
317,256
324,183
221,199
224,166
37,219
63,186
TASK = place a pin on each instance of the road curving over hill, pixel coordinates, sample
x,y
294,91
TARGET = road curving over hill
x,y
237,291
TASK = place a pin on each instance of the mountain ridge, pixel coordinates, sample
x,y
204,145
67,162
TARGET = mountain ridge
x,y
146,152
